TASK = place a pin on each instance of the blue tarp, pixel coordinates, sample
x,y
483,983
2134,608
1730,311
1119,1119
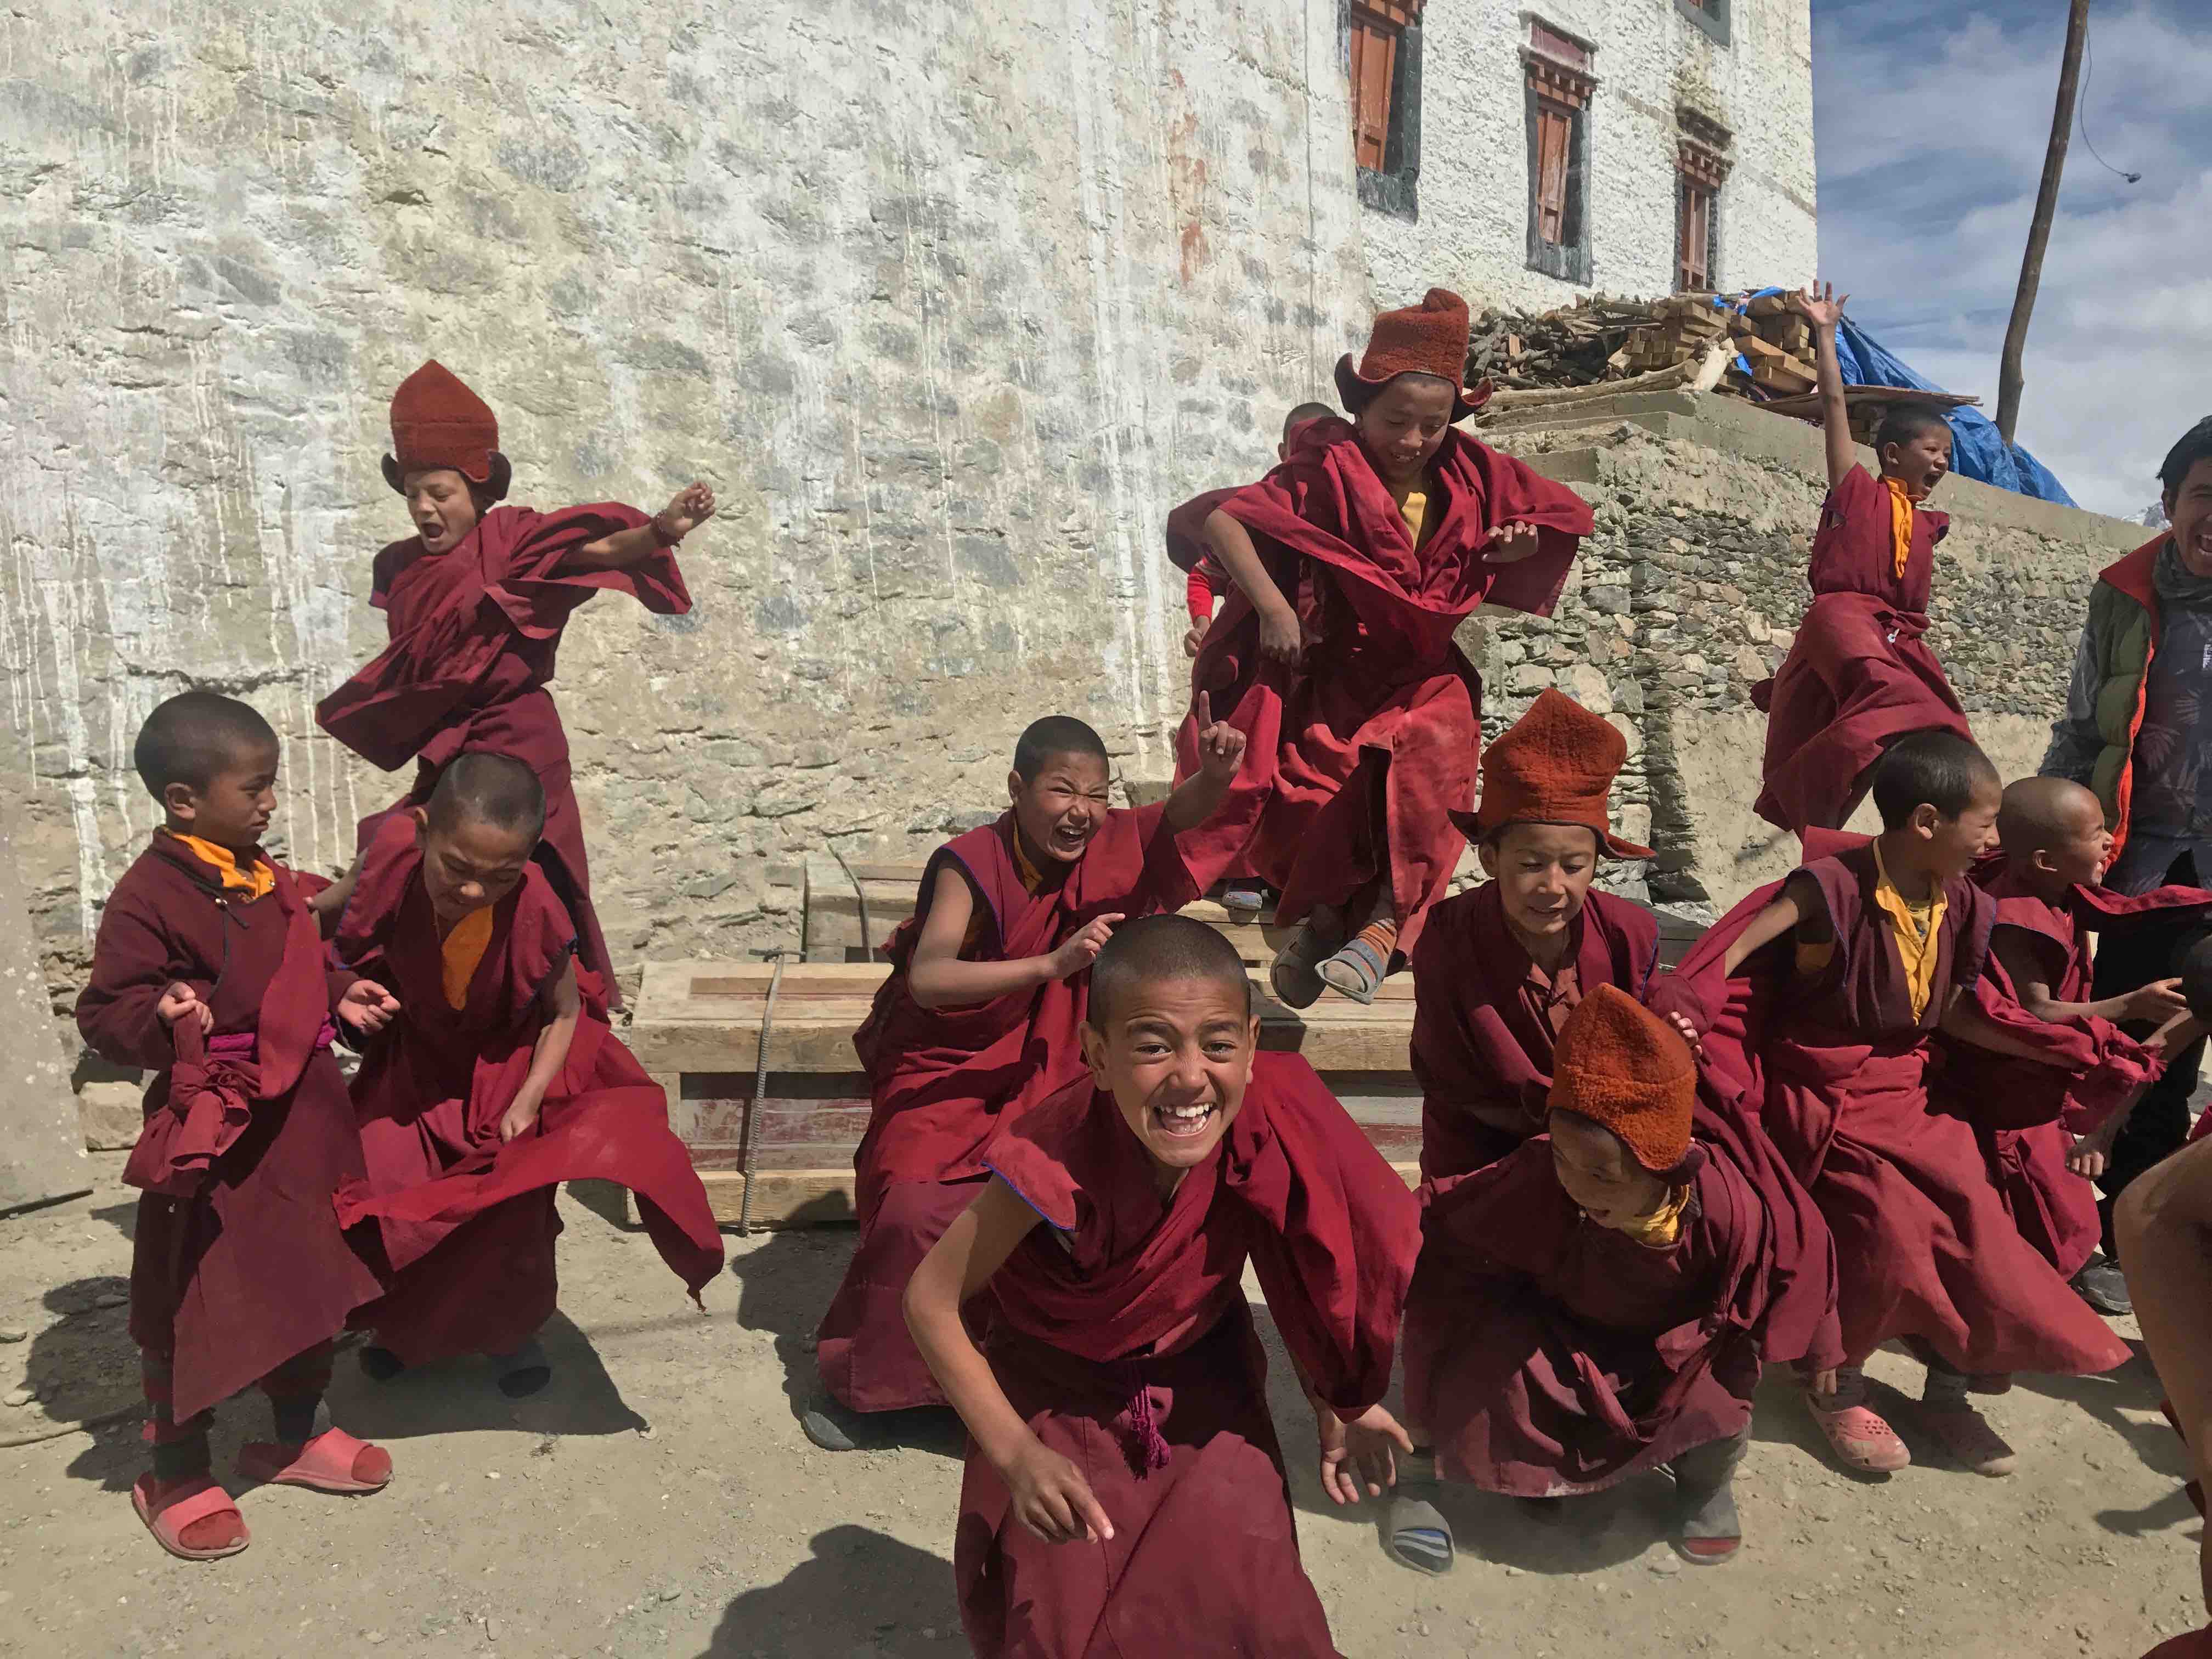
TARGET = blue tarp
x,y
1976,450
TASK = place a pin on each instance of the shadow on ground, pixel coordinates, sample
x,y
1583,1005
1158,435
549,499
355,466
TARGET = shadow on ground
x,y
784,1282
862,1592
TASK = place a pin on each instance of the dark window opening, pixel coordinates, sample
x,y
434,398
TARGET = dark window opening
x,y
1383,38
1701,168
1560,87
1710,15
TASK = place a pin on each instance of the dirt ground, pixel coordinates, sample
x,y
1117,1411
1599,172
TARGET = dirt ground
x,y
658,1499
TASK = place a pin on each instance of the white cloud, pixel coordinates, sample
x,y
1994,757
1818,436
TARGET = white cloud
x,y
1930,147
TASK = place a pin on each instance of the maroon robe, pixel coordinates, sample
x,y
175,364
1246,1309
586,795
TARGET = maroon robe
x,y
1857,675
469,1222
237,1262
2025,1114
1834,1064
1124,1341
1378,735
474,635
1482,1045
1547,1355
938,1078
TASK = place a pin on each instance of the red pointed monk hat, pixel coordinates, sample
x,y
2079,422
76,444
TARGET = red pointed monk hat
x,y
1555,764
437,421
1429,338
1620,1064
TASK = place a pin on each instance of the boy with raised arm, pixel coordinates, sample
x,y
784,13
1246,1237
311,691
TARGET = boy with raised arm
x,y
1855,961
986,994
1124,1488
476,601
1858,676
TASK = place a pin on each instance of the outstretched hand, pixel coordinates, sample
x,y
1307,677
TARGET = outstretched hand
x,y
366,1007
691,507
1359,1453
1820,305
1220,745
1510,543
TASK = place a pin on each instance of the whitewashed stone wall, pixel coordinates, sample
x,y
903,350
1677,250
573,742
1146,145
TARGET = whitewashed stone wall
x,y
1651,59
951,302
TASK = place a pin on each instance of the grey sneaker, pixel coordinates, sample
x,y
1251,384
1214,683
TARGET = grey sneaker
x,y
2102,1285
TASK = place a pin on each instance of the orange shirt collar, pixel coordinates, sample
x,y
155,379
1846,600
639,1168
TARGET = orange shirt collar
x,y
255,883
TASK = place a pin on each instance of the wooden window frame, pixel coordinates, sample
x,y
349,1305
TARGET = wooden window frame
x,y
1386,118
1701,167
1558,90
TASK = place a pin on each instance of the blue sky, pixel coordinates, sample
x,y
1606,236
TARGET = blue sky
x,y
1931,123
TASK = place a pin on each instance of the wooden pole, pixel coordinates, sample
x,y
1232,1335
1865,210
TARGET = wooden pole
x,y
2038,230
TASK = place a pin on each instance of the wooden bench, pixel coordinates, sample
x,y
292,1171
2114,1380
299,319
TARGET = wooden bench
x,y
697,1030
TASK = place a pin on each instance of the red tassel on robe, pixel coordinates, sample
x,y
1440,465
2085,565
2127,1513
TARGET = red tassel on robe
x,y
1124,1341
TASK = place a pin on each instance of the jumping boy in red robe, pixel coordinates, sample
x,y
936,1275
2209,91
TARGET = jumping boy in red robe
x,y
984,1001
476,600
2044,1129
1850,966
208,972
1241,892
1125,1492
1498,969
1599,1301
1354,561
499,1081
1857,676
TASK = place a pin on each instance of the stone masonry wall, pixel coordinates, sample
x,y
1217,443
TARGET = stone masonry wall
x,y
950,303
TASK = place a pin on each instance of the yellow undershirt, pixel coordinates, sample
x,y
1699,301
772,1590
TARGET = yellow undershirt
x,y
1414,509
253,883
461,954
1916,927
1900,522
1663,1225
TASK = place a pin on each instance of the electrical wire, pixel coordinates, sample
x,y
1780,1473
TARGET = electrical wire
x,y
2082,110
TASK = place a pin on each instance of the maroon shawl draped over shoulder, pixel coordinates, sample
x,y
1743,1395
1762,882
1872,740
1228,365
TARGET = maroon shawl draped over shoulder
x,y
1123,1316
1857,675
1379,731
475,633
2025,1114
1482,1057
1834,1065
1547,1355
237,1262
939,1079
468,1222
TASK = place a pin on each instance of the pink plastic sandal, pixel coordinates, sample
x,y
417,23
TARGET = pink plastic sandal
x,y
178,1513
1860,1438
332,1461
1967,1435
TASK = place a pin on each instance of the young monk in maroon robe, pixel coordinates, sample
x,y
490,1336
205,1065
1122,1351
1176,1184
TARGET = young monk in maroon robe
x,y
1858,676
1242,894
1598,1303
1498,969
2044,1127
499,1081
1125,1493
985,997
208,972
1857,960
1354,561
476,600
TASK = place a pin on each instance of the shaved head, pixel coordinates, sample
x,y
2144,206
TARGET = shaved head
x,y
196,735
1304,413
1162,947
1053,736
498,790
2037,811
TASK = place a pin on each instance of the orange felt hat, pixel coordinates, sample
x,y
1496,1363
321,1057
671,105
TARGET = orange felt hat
x,y
437,421
1429,338
1620,1064
1555,764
